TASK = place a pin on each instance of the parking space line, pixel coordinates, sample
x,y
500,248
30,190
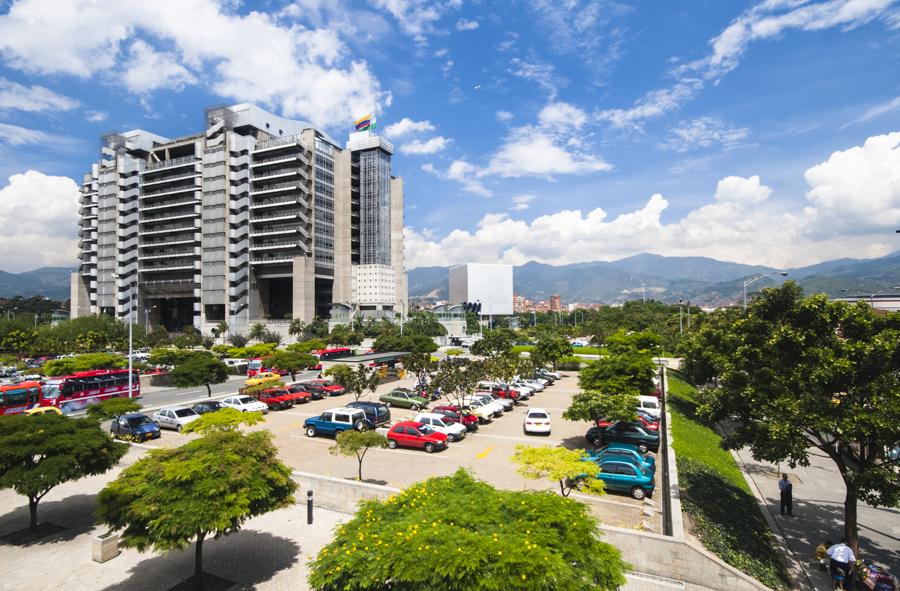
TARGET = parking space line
x,y
378,451
520,439
297,414
484,454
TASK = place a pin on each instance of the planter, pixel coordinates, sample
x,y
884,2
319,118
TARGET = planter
x,y
105,547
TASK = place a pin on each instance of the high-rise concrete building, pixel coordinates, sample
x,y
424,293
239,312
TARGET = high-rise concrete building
x,y
256,219
490,285
555,303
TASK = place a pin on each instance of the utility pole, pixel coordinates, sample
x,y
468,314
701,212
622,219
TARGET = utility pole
x,y
680,321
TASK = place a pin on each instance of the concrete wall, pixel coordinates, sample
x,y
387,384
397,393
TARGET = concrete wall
x,y
79,300
337,493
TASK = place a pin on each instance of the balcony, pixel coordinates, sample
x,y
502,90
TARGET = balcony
x,y
171,191
169,216
167,204
168,268
183,161
170,179
272,259
170,228
293,185
272,217
277,230
172,241
281,172
276,143
277,202
280,159
276,245
169,253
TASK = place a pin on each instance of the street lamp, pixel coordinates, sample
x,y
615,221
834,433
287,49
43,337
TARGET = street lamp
x,y
757,278
131,288
680,320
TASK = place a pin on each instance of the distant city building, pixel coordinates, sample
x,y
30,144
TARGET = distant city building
x,y
257,218
521,304
555,304
490,285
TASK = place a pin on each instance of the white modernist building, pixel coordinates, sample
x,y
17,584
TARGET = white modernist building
x,y
488,284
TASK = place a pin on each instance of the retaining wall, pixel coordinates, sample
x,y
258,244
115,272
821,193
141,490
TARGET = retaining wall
x,y
337,493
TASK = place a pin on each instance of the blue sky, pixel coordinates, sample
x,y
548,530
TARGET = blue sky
x,y
761,132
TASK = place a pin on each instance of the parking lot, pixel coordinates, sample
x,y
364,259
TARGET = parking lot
x,y
486,453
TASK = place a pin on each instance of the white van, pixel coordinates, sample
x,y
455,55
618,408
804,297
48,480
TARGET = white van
x,y
650,405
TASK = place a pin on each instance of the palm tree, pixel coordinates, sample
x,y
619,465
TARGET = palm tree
x,y
257,332
297,328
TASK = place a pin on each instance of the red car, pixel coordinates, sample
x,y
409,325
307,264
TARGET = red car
x,y
469,421
298,397
640,422
417,435
275,398
326,388
301,390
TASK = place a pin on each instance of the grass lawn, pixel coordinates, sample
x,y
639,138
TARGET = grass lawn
x,y
723,511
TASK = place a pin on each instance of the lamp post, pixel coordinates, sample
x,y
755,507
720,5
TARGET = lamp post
x,y
757,278
680,319
131,288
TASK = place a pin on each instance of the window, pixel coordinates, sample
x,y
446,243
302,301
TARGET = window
x,y
412,431
339,418
398,429
326,416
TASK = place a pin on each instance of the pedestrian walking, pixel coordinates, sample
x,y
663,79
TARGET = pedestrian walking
x,y
787,495
841,558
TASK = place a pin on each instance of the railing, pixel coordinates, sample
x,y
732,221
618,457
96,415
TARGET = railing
x,y
180,189
167,163
272,216
167,241
284,158
276,187
279,172
170,179
208,151
275,201
170,204
279,141
262,259
167,216
170,228
282,244
155,268
284,228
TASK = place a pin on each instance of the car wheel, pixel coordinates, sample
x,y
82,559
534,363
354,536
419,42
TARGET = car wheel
x,y
429,448
638,493
597,441
387,404
311,432
359,426
392,443
642,447
414,407
178,428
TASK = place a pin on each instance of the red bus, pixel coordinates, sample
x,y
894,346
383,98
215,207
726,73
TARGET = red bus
x,y
74,392
17,398
336,353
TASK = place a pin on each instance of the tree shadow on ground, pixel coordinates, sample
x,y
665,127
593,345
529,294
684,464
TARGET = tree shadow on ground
x,y
576,442
248,558
75,514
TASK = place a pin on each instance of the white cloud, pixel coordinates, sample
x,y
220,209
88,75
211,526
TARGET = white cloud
x,y
562,115
853,206
466,25
19,136
407,126
148,69
654,104
703,132
416,17
542,74
504,116
464,173
44,210
876,111
32,98
95,116
443,52
429,146
520,202
540,152
272,64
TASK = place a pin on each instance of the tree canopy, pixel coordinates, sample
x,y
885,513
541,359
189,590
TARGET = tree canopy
x,y
550,349
360,380
415,343
564,466
200,370
40,452
460,534
291,362
356,443
112,407
803,374
494,342
84,362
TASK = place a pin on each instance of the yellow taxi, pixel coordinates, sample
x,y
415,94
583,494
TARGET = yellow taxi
x,y
262,377
43,410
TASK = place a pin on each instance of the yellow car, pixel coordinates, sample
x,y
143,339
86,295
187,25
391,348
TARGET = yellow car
x,y
42,410
262,377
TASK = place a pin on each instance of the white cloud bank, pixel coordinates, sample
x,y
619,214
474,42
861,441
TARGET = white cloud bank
x,y
253,57
32,98
41,215
853,208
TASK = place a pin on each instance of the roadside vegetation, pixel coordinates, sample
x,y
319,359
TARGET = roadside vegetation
x,y
723,512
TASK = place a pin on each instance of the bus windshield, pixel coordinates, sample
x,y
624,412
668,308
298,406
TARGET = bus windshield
x,y
255,364
50,390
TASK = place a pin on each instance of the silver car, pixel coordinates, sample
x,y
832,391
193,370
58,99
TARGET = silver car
x,y
175,417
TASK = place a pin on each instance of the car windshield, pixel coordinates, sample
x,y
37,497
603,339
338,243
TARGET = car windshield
x,y
138,421
50,390
426,430
184,412
537,415
246,400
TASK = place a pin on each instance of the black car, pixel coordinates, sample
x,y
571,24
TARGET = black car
x,y
134,427
207,406
624,433
314,394
378,413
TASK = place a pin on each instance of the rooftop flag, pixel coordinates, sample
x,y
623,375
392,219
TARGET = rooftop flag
x,y
364,123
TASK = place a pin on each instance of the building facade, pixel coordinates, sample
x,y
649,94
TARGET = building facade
x,y
256,219
490,285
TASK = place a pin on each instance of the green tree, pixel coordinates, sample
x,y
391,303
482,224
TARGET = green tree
x,y
500,367
189,337
343,334
172,356
17,342
457,377
40,452
290,361
702,350
112,407
415,343
550,349
238,340
208,487
318,328
200,370
421,365
257,332
224,419
564,466
158,337
362,380
801,376
297,329
424,323
454,532
220,329
84,362
308,346
357,443
494,342
340,373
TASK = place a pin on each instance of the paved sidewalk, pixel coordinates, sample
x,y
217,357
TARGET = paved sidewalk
x,y
819,514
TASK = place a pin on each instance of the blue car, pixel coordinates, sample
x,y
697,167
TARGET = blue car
x,y
134,427
623,451
623,476
331,422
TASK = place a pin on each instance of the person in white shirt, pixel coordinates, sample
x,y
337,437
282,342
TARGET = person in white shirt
x,y
841,560
787,495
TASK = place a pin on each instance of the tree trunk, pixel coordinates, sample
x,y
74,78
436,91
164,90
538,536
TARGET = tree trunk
x,y
851,531
32,509
198,562
208,391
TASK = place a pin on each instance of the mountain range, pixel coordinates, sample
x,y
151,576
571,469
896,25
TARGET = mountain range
x,y
701,280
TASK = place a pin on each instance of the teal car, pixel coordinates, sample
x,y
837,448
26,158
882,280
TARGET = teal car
x,y
624,476
624,452
404,398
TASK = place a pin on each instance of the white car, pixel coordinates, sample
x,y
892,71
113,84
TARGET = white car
x,y
650,405
536,385
482,408
438,422
537,420
246,404
505,404
524,388
175,417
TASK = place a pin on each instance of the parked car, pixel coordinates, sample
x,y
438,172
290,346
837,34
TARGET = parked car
x,y
377,412
467,418
501,390
206,406
336,420
323,387
640,422
275,398
43,410
404,398
546,372
650,405
623,476
175,417
454,431
245,404
134,426
299,388
626,452
624,433
299,397
535,385
646,416
537,420
261,378
483,408
416,435
506,404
